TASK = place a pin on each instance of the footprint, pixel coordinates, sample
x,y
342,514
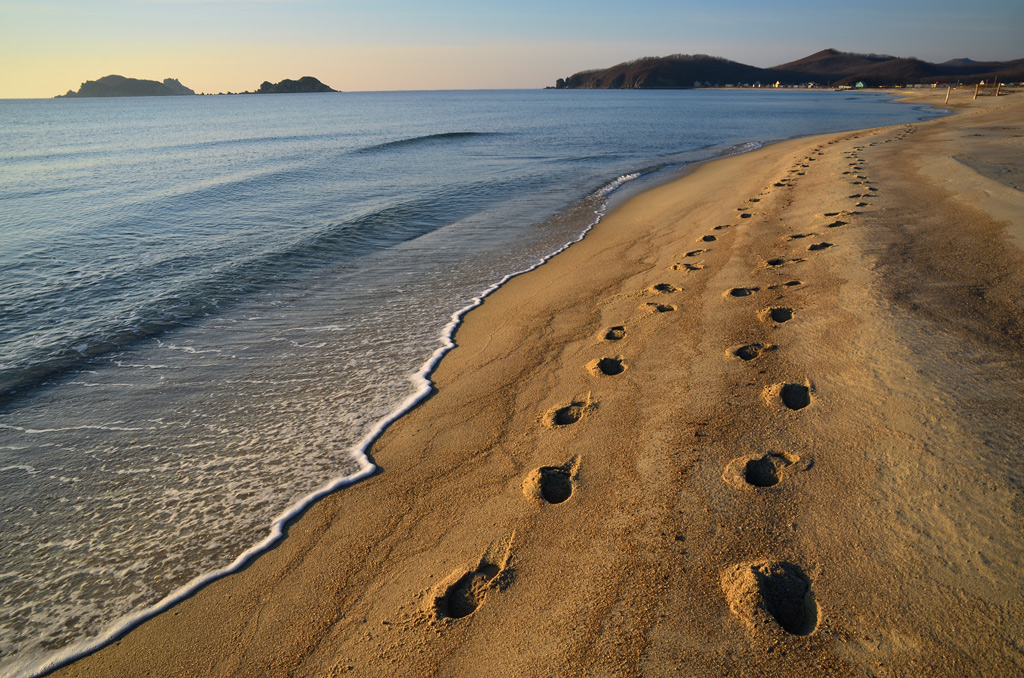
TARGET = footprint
x,y
855,195
462,592
615,333
664,288
791,396
567,415
771,591
775,262
723,226
765,471
762,470
686,267
820,246
708,238
552,484
836,224
607,366
745,215
750,351
660,308
742,291
696,253
798,236
788,283
861,204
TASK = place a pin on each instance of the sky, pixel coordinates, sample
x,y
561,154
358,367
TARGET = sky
x,y
48,47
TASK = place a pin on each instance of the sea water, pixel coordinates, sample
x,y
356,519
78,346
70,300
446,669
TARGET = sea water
x,y
210,305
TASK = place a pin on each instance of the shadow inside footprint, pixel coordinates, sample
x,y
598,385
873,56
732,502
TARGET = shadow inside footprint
x,y
795,396
461,593
764,471
665,288
766,590
615,333
779,314
570,414
555,484
788,598
661,308
608,366
836,224
775,262
819,246
465,596
743,291
552,484
708,238
750,351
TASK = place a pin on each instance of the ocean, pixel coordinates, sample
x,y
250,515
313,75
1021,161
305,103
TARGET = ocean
x,y
210,306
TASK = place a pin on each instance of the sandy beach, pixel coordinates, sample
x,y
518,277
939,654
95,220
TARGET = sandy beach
x,y
763,420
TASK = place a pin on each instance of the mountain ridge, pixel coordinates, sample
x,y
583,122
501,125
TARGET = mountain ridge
x,y
827,67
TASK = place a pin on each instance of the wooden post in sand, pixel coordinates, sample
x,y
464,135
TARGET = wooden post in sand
x,y
999,87
976,88
948,88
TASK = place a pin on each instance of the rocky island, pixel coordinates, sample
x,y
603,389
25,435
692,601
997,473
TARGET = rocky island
x,y
120,86
304,85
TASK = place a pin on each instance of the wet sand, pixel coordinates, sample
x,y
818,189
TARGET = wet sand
x,y
766,419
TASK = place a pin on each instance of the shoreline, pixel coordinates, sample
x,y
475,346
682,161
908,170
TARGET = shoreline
x,y
506,459
423,388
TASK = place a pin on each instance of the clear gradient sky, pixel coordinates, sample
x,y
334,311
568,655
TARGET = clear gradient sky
x,y
50,46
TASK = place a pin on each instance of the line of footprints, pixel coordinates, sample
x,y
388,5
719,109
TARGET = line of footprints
x,y
758,592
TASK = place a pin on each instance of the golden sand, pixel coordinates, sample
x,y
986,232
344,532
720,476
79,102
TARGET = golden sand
x,y
764,420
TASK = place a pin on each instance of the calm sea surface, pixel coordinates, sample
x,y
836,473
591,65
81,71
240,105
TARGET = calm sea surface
x,y
208,305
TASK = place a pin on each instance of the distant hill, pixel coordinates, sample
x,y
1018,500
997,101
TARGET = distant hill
x,y
834,62
874,70
671,72
304,85
120,86
824,68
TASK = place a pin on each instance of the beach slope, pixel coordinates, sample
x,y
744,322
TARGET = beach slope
x,y
764,420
